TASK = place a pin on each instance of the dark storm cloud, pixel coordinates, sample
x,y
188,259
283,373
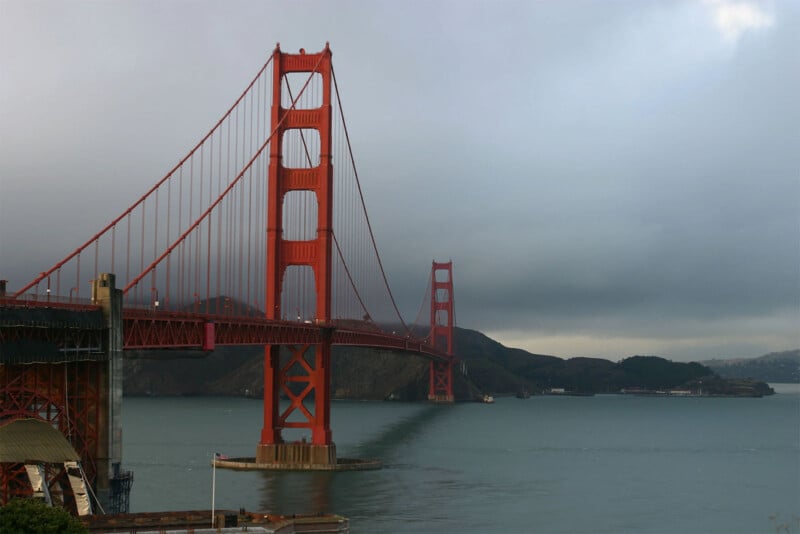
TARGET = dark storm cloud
x,y
623,170
673,199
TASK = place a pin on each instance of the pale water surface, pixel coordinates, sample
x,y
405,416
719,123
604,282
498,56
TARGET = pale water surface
x,y
604,464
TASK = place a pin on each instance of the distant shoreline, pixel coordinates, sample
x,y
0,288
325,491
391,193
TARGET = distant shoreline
x,y
785,388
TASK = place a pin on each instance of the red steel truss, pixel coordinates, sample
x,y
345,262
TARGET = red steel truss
x,y
67,395
145,329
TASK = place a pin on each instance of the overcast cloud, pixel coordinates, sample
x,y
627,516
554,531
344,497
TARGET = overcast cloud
x,y
610,178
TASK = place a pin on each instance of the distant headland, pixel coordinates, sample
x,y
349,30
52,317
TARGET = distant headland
x,y
485,367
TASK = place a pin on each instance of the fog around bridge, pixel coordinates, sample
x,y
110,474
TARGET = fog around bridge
x,y
609,178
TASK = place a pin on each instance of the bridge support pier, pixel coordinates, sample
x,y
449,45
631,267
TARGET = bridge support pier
x,y
304,379
441,382
298,454
64,366
109,457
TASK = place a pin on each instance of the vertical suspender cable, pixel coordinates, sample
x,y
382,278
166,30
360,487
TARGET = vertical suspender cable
x,y
113,247
366,216
78,277
194,262
200,229
248,292
240,211
155,241
211,228
167,298
227,211
128,253
181,278
141,248
219,216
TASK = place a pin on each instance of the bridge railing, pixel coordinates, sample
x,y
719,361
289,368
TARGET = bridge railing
x,y
30,300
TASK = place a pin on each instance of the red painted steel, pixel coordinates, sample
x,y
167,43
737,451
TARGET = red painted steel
x,y
67,395
315,253
208,338
305,378
144,329
442,329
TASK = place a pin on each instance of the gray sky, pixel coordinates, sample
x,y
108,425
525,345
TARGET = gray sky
x,y
610,178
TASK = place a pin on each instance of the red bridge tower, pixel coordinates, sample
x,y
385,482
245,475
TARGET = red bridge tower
x,y
309,365
442,321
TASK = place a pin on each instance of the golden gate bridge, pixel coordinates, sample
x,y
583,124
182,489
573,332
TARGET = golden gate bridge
x,y
258,236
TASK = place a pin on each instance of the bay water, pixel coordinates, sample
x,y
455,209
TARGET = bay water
x,y
603,464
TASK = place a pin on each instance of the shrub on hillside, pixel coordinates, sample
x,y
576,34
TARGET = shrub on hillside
x,y
31,516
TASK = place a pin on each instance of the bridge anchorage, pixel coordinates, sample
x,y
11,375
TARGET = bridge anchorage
x,y
61,365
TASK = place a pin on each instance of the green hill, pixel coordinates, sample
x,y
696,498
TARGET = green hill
x,y
485,366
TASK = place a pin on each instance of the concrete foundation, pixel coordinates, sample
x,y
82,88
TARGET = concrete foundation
x,y
296,457
296,453
109,454
342,464
201,521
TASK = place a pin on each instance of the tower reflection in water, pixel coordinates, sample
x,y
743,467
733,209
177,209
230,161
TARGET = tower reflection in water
x,y
347,492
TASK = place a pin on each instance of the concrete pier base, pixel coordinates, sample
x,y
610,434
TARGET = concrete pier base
x,y
342,464
296,453
296,457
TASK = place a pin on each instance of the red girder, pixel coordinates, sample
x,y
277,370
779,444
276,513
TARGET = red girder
x,y
144,329
67,395
296,363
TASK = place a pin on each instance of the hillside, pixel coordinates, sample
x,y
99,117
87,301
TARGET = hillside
x,y
492,367
485,366
773,367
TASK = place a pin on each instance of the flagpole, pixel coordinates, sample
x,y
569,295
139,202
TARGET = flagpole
x,y
213,486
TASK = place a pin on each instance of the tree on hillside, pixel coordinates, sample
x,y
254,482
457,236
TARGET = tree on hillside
x,y
655,372
31,516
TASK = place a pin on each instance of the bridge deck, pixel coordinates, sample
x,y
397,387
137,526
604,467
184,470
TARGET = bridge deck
x,y
50,332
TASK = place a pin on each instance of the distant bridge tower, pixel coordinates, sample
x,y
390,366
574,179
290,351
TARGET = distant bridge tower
x,y
309,364
442,330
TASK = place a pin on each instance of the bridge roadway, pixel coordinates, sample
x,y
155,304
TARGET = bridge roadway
x,y
147,329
